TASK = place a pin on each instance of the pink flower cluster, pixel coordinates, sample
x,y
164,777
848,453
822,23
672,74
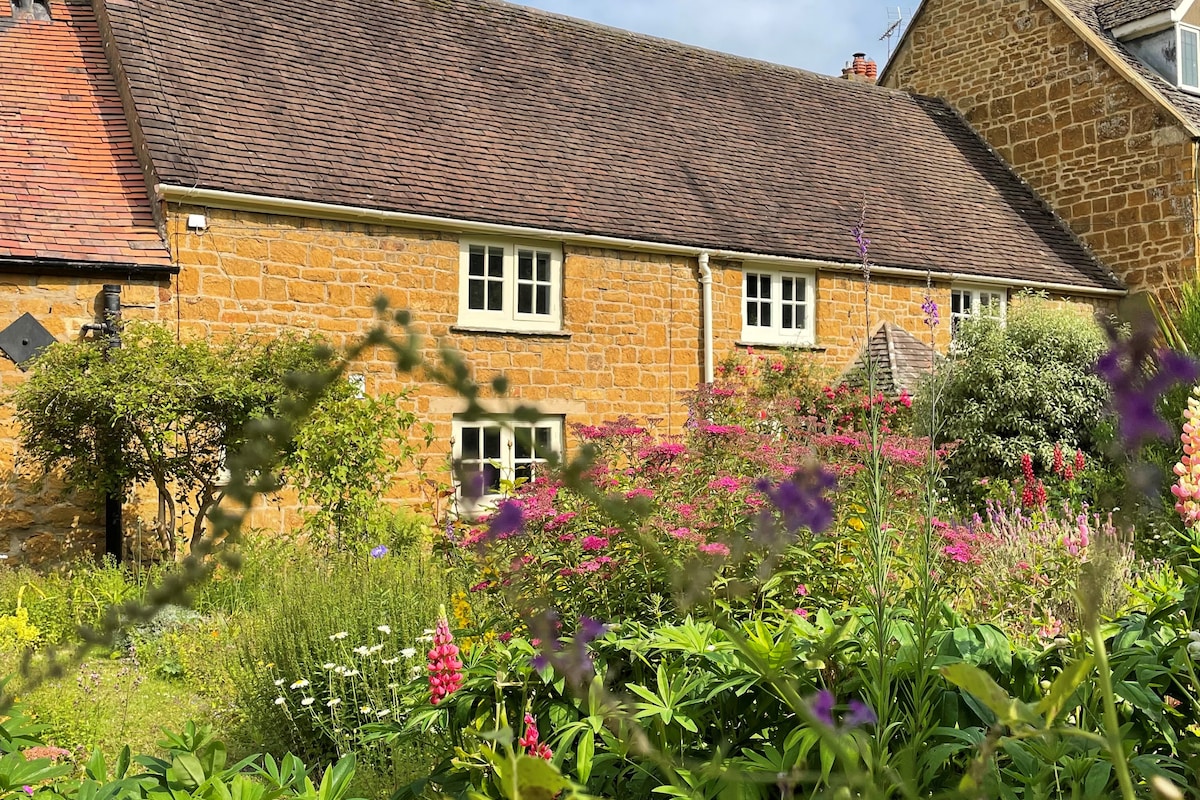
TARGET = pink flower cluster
x,y
530,740
445,667
1187,487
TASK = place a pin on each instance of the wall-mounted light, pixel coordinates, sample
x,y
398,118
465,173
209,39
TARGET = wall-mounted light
x,y
197,222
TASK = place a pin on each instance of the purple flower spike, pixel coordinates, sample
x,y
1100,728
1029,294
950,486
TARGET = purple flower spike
x,y
1138,376
508,519
821,705
379,551
931,312
801,499
860,714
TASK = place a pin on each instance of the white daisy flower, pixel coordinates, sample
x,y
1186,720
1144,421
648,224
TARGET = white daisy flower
x,y
279,701
384,629
393,686
383,712
408,652
334,703
338,636
279,682
329,665
390,661
350,673
362,650
375,649
308,701
365,709
425,638
300,684
417,672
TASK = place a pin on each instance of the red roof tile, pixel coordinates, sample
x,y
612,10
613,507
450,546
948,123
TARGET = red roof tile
x,y
70,184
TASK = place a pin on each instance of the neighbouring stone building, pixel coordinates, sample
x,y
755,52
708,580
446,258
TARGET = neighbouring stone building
x,y
598,214
1094,104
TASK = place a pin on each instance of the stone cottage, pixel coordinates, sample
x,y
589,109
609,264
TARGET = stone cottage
x,y
1095,104
598,214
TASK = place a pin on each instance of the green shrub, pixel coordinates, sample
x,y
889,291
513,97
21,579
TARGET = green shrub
x,y
346,458
1019,388
298,625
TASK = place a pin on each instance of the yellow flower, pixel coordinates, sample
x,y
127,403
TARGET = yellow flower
x,y
856,523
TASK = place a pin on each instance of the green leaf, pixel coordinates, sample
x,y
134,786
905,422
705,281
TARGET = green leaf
x,y
186,770
583,756
538,779
1063,687
1097,779
1007,709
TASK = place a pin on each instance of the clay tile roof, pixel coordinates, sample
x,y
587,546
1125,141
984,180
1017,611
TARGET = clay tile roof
x,y
1088,12
1117,12
70,184
901,361
480,110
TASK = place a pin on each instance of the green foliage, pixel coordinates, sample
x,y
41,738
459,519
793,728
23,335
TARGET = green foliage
x,y
345,460
312,613
58,603
1019,388
156,411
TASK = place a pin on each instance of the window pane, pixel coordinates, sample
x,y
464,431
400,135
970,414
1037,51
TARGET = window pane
x,y
520,444
764,314
1189,73
523,471
751,285
491,443
543,267
786,285
495,295
475,260
752,313
801,316
470,442
542,438
525,298
764,286
543,300
491,479
786,313
525,265
475,288
496,262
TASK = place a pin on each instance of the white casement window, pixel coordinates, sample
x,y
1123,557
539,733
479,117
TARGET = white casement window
x,y
967,302
500,453
510,286
1189,57
777,307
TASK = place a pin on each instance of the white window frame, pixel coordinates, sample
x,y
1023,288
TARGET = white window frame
x,y
510,458
1182,31
977,299
509,284
755,307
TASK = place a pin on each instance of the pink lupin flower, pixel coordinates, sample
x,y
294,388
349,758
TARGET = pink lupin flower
x,y
445,667
530,740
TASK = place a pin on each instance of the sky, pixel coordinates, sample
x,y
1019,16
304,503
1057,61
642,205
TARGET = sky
x,y
817,35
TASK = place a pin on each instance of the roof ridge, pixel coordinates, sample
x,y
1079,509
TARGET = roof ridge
x,y
687,47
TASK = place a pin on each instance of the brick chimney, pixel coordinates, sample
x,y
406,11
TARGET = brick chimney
x,y
861,69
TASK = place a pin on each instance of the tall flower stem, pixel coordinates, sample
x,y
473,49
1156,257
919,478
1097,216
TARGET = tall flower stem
x,y
1112,723
879,537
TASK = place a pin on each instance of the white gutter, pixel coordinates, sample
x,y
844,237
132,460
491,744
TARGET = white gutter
x,y
706,292
263,204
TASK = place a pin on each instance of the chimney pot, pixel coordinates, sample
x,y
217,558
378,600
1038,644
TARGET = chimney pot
x,y
872,70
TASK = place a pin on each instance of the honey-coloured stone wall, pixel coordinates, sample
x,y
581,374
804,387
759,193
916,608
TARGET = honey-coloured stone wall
x,y
1116,166
43,521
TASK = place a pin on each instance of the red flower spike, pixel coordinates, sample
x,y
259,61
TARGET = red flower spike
x,y
1057,467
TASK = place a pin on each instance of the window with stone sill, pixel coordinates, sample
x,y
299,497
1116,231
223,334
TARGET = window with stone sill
x,y
510,286
502,456
967,302
778,306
